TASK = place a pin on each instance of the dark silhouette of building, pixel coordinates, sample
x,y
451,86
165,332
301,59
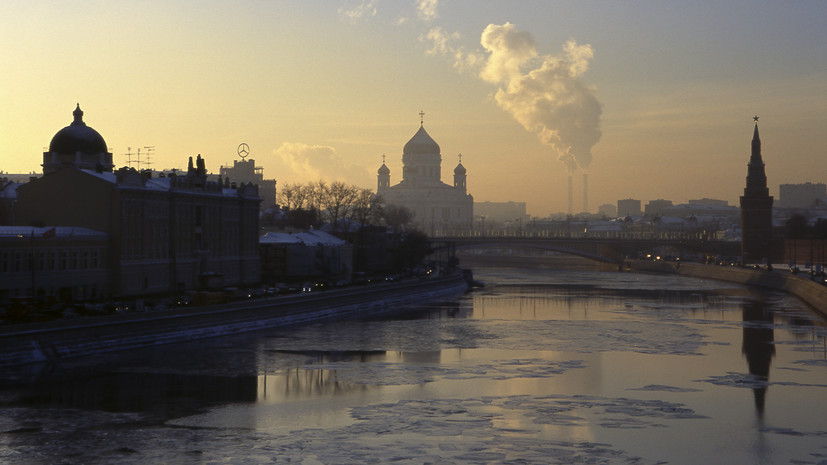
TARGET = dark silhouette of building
x,y
163,234
756,208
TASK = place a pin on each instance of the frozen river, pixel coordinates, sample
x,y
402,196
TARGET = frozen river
x,y
539,366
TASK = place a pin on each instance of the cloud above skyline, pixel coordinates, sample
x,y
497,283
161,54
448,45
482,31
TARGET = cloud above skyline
x,y
317,162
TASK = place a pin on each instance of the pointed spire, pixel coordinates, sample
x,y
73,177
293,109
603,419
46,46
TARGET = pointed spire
x,y
755,157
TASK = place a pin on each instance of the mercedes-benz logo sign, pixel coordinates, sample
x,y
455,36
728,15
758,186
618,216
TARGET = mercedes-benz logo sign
x,y
243,150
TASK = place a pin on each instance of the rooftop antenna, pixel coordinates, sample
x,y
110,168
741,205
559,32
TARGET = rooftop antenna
x,y
128,156
149,150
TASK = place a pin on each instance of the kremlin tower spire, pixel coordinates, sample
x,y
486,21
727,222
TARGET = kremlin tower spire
x,y
756,208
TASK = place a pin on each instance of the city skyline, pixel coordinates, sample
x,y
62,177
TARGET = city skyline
x,y
323,91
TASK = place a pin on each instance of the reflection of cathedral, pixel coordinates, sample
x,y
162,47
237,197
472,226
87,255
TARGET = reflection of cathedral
x,y
438,208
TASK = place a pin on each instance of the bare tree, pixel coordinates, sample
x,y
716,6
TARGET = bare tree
x,y
316,195
397,217
367,208
338,201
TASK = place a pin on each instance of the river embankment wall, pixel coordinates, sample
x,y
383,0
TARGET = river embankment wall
x,y
810,292
63,339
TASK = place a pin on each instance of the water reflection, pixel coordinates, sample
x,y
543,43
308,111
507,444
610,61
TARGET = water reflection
x,y
758,347
166,394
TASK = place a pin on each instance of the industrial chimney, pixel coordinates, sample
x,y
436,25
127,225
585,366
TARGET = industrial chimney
x,y
571,206
585,193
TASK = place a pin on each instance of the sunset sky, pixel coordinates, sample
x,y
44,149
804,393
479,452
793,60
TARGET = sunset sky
x,y
654,99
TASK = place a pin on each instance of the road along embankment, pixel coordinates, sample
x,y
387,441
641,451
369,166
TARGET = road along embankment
x,y
812,293
63,339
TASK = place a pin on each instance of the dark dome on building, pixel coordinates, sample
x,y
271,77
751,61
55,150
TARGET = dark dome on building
x,y
421,143
460,169
78,137
384,169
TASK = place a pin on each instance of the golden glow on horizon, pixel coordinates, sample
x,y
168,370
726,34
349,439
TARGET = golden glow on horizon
x,y
323,91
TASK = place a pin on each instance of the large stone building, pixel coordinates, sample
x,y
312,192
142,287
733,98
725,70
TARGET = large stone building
x,y
438,208
163,234
756,208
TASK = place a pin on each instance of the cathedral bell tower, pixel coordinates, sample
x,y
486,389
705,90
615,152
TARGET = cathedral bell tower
x,y
756,208
383,176
459,175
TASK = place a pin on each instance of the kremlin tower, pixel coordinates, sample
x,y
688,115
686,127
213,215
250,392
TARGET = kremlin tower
x,y
756,208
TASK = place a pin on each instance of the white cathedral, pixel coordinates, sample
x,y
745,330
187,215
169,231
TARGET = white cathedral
x,y
438,208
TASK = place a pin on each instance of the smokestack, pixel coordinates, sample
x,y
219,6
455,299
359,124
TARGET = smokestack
x,y
570,196
585,192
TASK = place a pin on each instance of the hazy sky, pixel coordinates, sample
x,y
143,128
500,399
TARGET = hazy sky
x,y
652,99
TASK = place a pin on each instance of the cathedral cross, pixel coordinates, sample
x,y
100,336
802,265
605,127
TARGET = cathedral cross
x,y
421,117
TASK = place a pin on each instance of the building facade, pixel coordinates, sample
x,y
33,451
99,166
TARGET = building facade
x,y
655,207
807,195
756,208
438,208
246,172
163,234
628,207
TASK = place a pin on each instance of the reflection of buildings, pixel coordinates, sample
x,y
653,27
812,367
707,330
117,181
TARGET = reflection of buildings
x,y
438,207
758,346
163,233
173,395
756,208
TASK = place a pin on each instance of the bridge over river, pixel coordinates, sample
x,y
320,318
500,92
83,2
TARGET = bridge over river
x,y
605,249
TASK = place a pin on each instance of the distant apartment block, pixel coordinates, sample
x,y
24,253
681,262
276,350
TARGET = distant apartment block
x,y
655,207
608,210
628,207
501,212
804,195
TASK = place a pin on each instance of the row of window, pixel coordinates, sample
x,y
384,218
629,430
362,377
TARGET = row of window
x,y
49,260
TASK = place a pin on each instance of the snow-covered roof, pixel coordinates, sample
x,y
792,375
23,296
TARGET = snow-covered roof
x,y
309,238
59,231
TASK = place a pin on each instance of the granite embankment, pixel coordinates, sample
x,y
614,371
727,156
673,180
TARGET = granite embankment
x,y
812,293
62,339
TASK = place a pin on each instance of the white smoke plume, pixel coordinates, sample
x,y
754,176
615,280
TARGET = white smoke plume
x,y
544,93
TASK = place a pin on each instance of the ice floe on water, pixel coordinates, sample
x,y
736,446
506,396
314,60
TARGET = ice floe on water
x,y
396,373
658,387
750,381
